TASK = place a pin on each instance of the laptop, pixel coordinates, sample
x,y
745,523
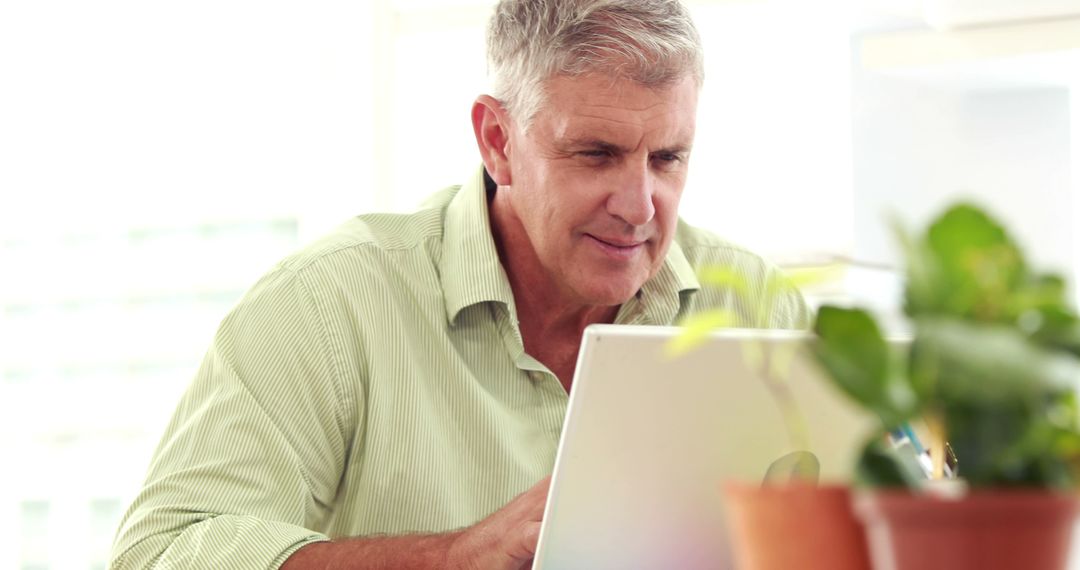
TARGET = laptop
x,y
649,439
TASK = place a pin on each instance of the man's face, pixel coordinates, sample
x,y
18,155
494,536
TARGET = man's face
x,y
596,182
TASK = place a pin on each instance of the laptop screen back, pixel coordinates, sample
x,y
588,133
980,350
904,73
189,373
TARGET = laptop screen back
x,y
649,439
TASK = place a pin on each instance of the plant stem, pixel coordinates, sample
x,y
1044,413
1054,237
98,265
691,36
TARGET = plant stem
x,y
935,424
775,370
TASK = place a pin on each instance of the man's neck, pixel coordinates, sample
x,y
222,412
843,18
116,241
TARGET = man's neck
x,y
551,317
551,320
551,330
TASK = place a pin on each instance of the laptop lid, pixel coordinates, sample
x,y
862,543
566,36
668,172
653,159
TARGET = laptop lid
x,y
649,439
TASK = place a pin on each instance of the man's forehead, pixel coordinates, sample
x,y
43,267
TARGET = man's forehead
x,y
590,107
617,127
617,89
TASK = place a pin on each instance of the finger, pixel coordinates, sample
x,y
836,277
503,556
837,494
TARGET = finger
x,y
528,535
536,513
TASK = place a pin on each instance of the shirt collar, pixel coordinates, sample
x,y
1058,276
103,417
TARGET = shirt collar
x,y
661,297
471,272
469,268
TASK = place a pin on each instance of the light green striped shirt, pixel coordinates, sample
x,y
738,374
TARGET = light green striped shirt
x,y
376,383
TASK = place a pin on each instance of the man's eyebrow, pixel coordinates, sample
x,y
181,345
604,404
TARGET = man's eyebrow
x,y
674,149
600,144
593,143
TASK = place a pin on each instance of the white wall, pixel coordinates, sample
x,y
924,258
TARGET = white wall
x,y
771,167
988,114
1074,161
430,142
122,112
918,148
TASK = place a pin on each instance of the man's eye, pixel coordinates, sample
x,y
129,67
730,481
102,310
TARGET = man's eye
x,y
667,160
595,153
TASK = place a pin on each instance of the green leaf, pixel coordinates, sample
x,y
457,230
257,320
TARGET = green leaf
x,y
1042,291
977,265
1054,328
809,276
856,356
880,466
957,361
1043,313
697,328
1012,445
725,277
980,437
921,293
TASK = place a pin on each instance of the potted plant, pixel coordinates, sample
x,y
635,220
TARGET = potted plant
x,y
992,369
788,520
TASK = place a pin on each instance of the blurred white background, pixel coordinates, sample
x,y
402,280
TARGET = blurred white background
x,y
156,158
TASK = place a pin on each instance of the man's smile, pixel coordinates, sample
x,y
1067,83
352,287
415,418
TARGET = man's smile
x,y
619,248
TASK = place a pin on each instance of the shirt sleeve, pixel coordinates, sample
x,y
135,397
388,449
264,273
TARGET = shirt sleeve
x,y
251,460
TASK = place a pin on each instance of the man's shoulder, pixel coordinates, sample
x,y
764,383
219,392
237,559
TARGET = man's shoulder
x,y
704,248
766,298
380,235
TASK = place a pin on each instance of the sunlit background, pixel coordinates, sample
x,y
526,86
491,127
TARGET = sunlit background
x,y
156,158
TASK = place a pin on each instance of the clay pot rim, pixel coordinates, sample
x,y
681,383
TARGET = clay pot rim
x,y
740,484
1032,504
795,488
973,494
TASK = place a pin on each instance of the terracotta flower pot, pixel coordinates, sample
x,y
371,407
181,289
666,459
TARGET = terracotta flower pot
x,y
781,527
985,530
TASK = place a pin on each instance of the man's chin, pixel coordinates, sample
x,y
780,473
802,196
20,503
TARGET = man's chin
x,y
609,295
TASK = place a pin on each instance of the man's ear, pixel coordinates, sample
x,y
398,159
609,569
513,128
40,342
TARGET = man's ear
x,y
491,124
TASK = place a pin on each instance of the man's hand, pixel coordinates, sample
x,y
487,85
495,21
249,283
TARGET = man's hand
x,y
506,539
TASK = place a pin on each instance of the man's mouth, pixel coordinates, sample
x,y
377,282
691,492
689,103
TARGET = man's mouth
x,y
619,247
616,242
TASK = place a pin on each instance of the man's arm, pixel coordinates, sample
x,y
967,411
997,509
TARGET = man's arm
x,y
505,540
253,456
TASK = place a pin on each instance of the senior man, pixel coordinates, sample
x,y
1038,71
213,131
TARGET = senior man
x,y
390,396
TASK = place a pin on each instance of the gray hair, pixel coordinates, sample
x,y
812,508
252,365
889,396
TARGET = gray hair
x,y
652,42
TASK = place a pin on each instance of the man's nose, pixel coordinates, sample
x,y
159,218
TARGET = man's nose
x,y
632,198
